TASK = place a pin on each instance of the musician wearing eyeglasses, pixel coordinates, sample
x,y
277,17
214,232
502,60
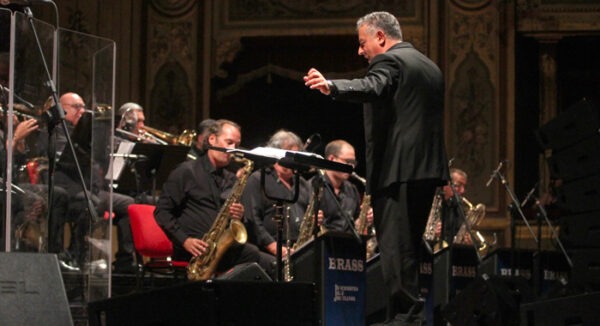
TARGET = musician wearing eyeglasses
x,y
341,200
66,176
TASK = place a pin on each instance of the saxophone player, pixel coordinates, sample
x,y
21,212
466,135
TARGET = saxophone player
x,y
344,198
447,229
279,182
192,196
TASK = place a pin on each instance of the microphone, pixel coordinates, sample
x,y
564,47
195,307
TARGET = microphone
x,y
312,142
18,98
493,175
529,194
130,156
359,178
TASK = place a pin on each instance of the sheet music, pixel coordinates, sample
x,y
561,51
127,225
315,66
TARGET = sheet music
x,y
118,163
275,153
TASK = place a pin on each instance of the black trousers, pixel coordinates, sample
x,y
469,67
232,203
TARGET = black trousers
x,y
400,213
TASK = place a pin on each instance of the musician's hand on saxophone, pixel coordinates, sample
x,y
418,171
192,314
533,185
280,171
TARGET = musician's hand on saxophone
x,y
369,218
320,217
195,246
237,211
272,249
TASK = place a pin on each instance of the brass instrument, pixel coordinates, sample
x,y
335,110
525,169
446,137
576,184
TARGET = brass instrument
x,y
305,234
362,227
473,216
222,233
434,219
287,264
186,138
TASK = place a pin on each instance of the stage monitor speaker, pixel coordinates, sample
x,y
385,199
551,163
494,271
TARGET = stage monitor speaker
x,y
246,272
576,161
580,195
32,290
581,230
581,309
586,268
488,301
571,126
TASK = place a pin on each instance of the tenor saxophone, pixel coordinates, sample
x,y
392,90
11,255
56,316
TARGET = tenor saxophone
x,y
222,233
305,234
363,227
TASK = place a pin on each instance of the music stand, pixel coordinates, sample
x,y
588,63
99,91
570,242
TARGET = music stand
x,y
150,164
299,162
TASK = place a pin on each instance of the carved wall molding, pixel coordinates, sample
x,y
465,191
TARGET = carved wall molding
x,y
299,17
558,16
233,20
172,64
476,126
172,7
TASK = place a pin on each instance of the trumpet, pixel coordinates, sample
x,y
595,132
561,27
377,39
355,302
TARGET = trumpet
x,y
186,138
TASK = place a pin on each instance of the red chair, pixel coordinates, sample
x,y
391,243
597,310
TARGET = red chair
x,y
151,242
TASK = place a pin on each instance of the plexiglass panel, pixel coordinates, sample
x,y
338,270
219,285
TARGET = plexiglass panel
x,y
43,214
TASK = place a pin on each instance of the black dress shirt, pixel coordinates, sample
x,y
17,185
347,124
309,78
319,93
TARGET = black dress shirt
x,y
338,208
191,199
263,210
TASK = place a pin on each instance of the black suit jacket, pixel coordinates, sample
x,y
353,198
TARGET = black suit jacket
x,y
403,98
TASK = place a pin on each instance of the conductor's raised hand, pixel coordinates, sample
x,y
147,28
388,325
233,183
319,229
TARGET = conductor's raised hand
x,y
315,80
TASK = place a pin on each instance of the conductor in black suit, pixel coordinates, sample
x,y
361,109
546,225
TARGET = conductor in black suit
x,y
403,99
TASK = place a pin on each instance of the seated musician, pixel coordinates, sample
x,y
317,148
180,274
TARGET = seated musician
x,y
67,177
193,196
279,183
131,125
452,222
342,202
201,132
30,192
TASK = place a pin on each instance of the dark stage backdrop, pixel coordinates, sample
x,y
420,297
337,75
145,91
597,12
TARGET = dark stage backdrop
x,y
264,91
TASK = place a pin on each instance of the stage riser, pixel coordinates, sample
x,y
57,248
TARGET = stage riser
x,y
219,302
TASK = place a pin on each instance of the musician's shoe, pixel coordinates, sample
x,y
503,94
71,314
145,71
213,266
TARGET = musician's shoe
x,y
124,266
67,263
69,266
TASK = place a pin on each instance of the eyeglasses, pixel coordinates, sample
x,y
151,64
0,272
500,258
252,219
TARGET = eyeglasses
x,y
78,106
348,161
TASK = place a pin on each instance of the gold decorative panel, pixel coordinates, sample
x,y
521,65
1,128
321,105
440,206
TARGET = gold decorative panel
x,y
172,64
475,119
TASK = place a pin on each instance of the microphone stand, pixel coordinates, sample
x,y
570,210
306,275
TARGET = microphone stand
x,y
278,217
55,116
543,214
515,206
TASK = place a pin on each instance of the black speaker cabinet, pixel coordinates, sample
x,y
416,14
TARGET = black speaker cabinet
x,y
579,309
581,195
488,300
246,272
581,230
574,124
218,302
576,161
32,290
